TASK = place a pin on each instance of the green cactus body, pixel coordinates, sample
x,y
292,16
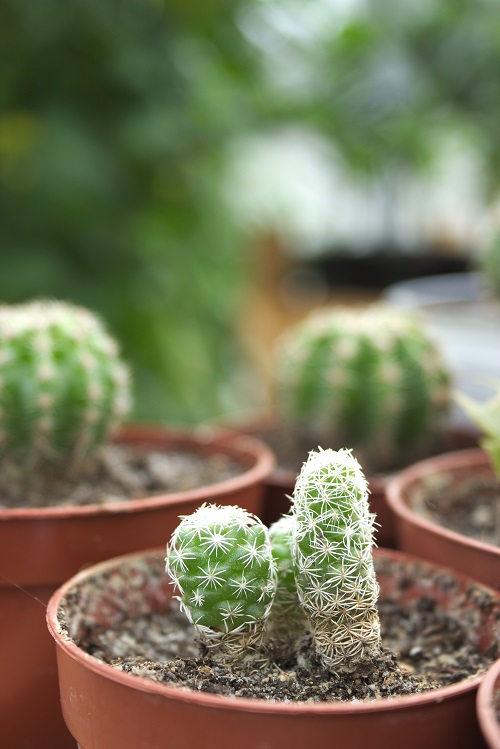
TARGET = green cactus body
x,y
220,560
372,379
63,387
489,264
332,547
286,622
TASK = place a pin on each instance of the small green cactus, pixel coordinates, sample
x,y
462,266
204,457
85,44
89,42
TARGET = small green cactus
x,y
63,387
489,263
372,379
486,416
332,545
287,621
220,560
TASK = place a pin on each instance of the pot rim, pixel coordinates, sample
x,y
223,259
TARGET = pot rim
x,y
285,477
238,446
399,488
247,704
486,716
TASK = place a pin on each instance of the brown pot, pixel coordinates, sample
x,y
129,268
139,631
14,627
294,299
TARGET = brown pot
x,y
40,548
280,482
110,709
421,536
488,705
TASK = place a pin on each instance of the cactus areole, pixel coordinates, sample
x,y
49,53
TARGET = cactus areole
x,y
332,546
220,560
63,387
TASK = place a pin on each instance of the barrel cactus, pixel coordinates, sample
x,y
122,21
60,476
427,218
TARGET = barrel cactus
x,y
220,561
371,379
63,387
333,539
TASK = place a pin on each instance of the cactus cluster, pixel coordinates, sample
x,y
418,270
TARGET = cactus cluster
x,y
221,563
372,379
245,587
63,387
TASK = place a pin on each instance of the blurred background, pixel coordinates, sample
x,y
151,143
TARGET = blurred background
x,y
204,173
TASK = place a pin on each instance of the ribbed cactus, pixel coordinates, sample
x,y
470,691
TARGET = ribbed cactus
x,y
220,560
332,547
63,387
287,621
371,379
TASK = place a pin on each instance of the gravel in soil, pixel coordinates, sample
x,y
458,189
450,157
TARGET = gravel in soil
x,y
468,508
424,648
119,473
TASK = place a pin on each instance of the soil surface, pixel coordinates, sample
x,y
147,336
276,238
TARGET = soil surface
x,y
469,508
119,473
424,648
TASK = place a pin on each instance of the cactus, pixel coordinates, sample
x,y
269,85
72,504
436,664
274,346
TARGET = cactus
x,y
63,387
286,622
489,263
253,592
220,561
486,416
332,547
371,379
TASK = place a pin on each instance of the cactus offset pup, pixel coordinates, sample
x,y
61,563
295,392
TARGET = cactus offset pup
x,y
287,622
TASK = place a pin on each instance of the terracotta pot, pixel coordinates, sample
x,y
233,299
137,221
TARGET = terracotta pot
x,y
421,536
280,482
110,709
488,704
40,548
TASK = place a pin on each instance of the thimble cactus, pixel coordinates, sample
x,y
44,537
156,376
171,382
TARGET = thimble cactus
x,y
372,379
333,538
220,561
63,387
287,622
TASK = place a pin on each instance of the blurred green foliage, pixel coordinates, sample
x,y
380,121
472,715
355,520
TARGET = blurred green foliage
x,y
385,79
113,117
